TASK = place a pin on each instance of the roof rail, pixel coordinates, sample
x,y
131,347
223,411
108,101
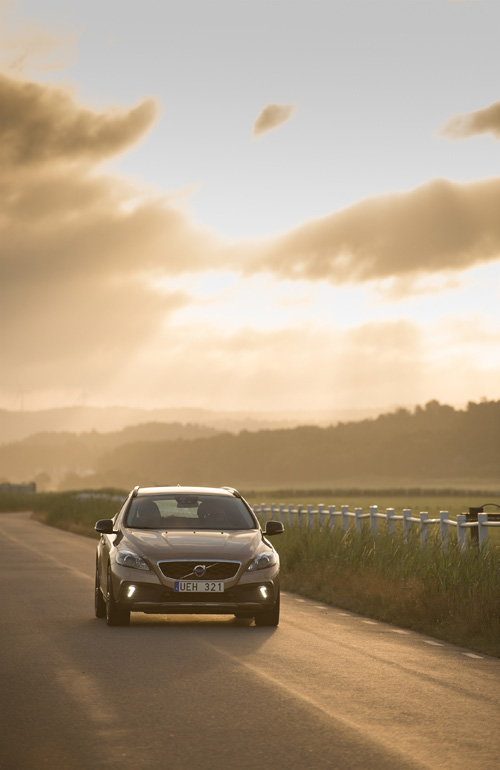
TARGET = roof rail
x,y
135,491
233,490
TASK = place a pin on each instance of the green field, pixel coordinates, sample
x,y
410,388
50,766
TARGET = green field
x,y
429,503
454,504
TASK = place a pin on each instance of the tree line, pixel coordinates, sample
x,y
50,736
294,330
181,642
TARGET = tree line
x,y
430,444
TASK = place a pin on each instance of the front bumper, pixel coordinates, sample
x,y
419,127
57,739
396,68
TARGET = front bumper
x,y
244,599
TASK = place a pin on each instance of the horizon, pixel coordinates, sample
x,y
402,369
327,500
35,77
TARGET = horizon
x,y
251,414
249,209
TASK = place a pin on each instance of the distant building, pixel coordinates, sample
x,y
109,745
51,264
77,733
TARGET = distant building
x,y
17,489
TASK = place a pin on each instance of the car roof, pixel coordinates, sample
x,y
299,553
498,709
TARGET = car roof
x,y
178,490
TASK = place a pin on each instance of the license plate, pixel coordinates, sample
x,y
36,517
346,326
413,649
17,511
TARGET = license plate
x,y
197,586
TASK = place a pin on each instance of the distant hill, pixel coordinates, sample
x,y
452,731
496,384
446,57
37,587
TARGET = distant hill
x,y
18,425
49,457
429,446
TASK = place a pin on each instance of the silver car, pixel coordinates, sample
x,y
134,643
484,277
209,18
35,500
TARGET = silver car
x,y
190,550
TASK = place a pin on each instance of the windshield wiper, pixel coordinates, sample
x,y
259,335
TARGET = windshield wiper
x,y
133,526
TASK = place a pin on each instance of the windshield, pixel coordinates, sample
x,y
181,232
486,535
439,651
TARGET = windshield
x,y
189,512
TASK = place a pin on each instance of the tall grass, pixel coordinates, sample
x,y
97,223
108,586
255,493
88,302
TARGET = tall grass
x,y
451,594
66,510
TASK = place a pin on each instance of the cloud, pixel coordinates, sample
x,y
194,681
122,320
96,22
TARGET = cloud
x,y
79,249
88,325
41,124
272,116
440,226
485,121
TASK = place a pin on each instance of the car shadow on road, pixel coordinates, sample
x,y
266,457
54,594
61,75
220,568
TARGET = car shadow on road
x,y
184,632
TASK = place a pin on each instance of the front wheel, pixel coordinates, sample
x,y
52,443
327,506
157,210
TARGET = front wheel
x,y
99,603
269,617
115,615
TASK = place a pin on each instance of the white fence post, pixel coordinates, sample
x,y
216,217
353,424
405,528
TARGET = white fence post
x,y
461,531
482,519
390,525
424,527
327,518
443,528
406,523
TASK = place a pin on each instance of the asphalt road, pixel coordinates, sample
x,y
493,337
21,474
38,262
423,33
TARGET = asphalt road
x,y
327,689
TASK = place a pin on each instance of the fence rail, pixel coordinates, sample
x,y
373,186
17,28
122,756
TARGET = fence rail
x,y
329,517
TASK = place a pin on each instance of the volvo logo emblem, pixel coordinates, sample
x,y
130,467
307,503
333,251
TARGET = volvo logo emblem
x,y
200,570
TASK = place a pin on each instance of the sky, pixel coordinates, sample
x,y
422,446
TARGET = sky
x,y
267,206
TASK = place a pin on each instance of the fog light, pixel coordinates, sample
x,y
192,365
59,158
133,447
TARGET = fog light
x,y
263,591
131,591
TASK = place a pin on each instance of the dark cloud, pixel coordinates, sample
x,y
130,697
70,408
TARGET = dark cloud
x,y
39,124
436,227
485,121
80,251
272,116
89,323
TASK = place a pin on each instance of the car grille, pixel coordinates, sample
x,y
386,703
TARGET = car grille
x,y
183,570
227,597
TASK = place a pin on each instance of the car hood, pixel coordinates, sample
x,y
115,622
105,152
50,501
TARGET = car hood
x,y
156,545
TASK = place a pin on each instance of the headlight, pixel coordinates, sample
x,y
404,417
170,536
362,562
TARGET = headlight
x,y
129,559
263,560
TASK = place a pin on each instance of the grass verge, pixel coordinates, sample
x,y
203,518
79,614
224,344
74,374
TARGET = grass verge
x,y
450,594
73,511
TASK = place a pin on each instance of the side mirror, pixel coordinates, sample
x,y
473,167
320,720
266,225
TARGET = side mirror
x,y
105,527
274,528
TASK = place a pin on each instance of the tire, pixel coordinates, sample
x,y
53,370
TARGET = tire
x,y
99,603
115,615
269,617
